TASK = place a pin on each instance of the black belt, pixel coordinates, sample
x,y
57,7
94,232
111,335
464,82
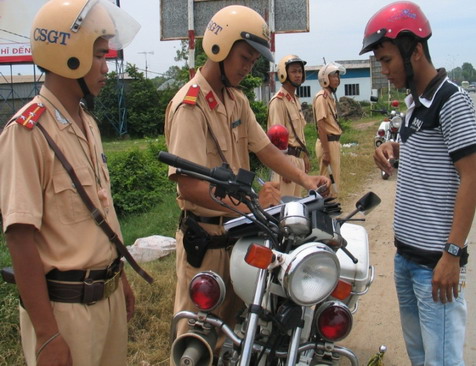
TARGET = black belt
x,y
220,241
333,137
82,275
85,287
294,151
212,220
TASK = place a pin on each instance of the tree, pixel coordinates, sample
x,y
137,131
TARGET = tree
x,y
465,72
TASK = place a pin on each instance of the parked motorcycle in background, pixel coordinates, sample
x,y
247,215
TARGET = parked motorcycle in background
x,y
298,269
389,128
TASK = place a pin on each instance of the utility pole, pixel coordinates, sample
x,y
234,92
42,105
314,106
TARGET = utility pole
x,y
145,53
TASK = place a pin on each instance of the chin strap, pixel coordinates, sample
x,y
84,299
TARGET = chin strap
x,y
223,77
410,79
296,85
87,96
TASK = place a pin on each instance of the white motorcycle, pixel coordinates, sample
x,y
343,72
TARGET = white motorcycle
x,y
299,271
389,129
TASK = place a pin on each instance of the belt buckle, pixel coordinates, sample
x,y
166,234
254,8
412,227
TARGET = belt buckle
x,y
111,284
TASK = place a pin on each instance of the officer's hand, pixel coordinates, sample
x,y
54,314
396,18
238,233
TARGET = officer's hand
x,y
307,164
129,296
269,194
326,158
316,181
383,154
55,353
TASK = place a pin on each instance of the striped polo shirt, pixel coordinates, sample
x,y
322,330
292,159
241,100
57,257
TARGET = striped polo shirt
x,y
435,135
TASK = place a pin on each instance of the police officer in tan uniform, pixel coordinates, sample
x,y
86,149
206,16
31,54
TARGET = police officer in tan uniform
x,y
325,115
75,298
209,122
284,108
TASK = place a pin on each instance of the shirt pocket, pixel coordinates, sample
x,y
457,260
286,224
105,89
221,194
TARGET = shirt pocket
x,y
69,205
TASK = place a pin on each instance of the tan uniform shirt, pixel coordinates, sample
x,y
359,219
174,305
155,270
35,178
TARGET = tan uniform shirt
x,y
35,189
325,108
187,130
285,109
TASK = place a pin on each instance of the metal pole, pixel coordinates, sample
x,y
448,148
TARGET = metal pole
x,y
145,54
191,40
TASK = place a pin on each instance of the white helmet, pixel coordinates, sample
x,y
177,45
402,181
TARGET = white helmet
x,y
328,69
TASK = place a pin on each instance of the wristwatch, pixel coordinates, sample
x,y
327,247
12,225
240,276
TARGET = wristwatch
x,y
453,249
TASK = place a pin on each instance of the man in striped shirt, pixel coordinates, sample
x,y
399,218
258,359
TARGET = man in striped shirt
x,y
435,202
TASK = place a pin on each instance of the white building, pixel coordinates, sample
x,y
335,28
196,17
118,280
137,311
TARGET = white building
x,y
356,83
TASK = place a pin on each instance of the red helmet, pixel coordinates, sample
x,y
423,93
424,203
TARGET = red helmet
x,y
389,22
279,135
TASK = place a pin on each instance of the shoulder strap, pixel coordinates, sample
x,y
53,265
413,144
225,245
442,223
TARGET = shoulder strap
x,y
95,213
303,147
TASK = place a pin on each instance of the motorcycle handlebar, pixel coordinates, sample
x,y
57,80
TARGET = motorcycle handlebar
x,y
220,173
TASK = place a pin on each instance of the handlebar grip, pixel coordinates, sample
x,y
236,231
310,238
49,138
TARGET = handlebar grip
x,y
222,173
175,161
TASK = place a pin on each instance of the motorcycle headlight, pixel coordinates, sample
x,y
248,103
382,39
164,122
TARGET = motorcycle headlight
x,y
310,273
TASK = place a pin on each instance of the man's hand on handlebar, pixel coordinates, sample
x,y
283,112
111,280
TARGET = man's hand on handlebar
x,y
318,181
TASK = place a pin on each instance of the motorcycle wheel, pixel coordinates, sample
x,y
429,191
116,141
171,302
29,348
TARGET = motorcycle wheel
x,y
385,176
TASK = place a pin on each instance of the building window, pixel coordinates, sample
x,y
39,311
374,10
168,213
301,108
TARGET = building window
x,y
352,89
304,91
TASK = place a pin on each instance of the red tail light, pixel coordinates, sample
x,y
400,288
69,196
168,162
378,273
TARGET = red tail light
x,y
381,133
207,290
334,321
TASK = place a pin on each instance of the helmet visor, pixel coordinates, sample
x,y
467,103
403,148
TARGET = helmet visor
x,y
259,44
372,40
118,27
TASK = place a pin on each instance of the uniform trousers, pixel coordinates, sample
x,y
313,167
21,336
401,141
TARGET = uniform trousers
x,y
334,153
216,260
96,334
291,188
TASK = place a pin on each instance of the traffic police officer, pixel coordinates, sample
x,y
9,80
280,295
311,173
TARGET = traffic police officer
x,y
209,122
324,107
284,108
75,306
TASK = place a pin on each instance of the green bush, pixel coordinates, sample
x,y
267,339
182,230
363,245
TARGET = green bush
x,y
138,179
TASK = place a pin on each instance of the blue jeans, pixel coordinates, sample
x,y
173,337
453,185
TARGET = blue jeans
x,y
433,332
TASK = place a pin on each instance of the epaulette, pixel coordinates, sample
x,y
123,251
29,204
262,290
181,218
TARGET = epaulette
x,y
325,94
31,115
192,94
280,95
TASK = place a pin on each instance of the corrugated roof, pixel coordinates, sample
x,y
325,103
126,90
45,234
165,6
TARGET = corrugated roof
x,y
21,79
348,64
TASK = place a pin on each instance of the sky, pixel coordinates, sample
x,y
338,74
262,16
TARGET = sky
x,y
336,32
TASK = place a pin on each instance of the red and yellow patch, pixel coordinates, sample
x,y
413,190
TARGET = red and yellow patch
x,y
192,94
31,115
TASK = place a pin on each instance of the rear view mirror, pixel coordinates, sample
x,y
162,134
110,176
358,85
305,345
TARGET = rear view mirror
x,y
368,202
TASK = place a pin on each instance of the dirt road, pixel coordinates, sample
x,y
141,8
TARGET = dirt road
x,y
377,320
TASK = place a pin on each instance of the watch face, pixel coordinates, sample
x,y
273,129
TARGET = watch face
x,y
453,249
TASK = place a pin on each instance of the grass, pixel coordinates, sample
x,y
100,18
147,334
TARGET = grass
x,y
150,327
